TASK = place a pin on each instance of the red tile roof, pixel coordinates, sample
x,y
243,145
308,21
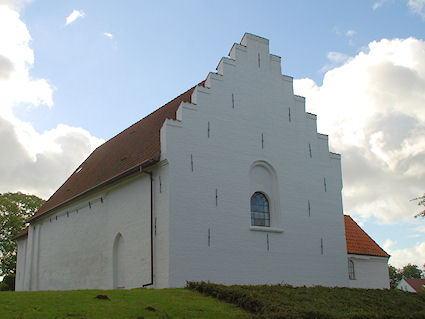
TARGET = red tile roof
x,y
358,242
416,283
137,145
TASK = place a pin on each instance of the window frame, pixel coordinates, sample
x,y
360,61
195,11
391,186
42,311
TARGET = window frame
x,y
266,211
351,270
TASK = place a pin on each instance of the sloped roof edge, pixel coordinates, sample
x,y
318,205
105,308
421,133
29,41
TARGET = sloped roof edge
x,y
119,156
359,242
22,233
114,179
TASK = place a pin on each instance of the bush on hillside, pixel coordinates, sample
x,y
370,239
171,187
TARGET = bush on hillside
x,y
284,301
8,283
239,297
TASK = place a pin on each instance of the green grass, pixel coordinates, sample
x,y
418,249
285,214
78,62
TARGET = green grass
x,y
78,304
271,302
283,301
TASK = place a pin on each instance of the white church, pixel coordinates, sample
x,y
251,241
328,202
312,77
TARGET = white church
x,y
230,182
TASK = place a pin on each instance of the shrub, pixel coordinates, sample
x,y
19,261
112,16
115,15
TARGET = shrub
x,y
8,282
239,297
284,301
3,286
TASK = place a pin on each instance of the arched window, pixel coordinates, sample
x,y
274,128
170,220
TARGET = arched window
x,y
351,273
265,197
260,211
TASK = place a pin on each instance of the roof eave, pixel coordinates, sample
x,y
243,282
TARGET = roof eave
x,y
370,255
131,171
23,233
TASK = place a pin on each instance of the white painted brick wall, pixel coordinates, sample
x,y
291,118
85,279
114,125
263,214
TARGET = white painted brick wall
x,y
370,272
262,98
20,263
75,250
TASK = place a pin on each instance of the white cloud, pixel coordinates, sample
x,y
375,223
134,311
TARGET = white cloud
x,y
6,68
335,59
372,107
388,244
74,15
15,84
16,5
32,162
417,6
350,33
378,4
108,35
401,257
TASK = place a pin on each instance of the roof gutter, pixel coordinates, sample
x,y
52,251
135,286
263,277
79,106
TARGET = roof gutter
x,y
369,255
135,169
23,233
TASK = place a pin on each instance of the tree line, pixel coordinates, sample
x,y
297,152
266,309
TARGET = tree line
x,y
408,271
15,208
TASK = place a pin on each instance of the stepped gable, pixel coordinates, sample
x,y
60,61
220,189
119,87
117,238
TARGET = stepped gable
x,y
139,144
358,242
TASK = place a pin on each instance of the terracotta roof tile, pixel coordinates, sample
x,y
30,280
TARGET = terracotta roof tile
x,y
358,242
416,283
134,146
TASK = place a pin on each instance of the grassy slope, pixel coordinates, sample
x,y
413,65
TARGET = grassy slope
x,y
168,303
263,301
318,302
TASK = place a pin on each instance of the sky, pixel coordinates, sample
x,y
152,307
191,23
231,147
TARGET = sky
x,y
73,74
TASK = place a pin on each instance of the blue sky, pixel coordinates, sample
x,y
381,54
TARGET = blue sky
x,y
161,48
112,63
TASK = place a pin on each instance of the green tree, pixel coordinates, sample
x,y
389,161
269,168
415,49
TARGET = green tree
x,y
411,271
15,208
408,271
421,202
395,276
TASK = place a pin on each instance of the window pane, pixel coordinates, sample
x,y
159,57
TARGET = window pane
x,y
260,214
351,273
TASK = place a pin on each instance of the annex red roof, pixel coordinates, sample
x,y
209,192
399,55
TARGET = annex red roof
x,y
358,242
137,145
416,283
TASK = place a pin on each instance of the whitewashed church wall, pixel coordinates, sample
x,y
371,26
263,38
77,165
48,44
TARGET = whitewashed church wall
x,y
370,272
21,244
161,226
247,114
31,258
74,248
